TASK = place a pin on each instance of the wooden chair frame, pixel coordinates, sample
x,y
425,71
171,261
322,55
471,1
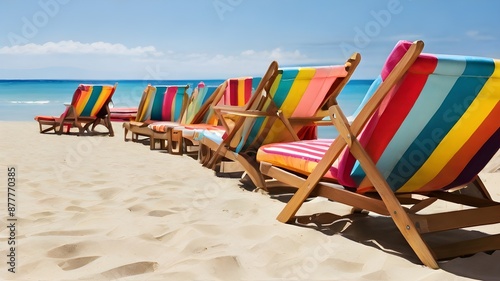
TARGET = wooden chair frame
x,y
385,201
70,119
250,166
140,128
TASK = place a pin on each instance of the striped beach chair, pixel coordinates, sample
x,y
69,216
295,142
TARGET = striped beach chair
x,y
89,106
158,103
288,104
197,107
232,92
430,125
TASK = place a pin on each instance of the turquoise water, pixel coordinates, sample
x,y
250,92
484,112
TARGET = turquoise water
x,y
21,100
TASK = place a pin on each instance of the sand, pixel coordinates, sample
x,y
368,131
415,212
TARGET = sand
x,y
99,208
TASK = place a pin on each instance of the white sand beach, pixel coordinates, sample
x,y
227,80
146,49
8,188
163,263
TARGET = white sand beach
x,y
99,208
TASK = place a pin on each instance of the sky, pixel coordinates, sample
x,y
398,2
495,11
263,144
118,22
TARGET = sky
x,y
219,39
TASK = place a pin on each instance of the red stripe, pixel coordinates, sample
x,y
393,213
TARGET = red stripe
x,y
168,101
248,89
394,112
294,148
231,95
385,122
467,152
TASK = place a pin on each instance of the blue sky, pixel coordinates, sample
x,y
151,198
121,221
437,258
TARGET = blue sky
x,y
191,39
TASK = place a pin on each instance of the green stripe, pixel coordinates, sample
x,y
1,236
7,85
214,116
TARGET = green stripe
x,y
96,92
178,103
157,107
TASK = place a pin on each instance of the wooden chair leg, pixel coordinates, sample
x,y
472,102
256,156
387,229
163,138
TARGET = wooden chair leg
x,y
176,142
152,142
476,189
204,154
109,125
125,132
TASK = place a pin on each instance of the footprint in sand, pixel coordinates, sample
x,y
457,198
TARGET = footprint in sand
x,y
138,208
108,193
66,233
76,263
42,214
66,250
76,209
159,213
130,270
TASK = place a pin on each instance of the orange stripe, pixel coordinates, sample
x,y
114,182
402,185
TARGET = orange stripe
x,y
318,89
460,160
103,97
84,98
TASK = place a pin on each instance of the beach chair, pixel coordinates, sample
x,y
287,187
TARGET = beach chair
x,y
284,110
158,103
232,92
431,124
197,107
89,106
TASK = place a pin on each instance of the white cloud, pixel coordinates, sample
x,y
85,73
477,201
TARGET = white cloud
x,y
275,54
75,47
99,60
248,53
474,34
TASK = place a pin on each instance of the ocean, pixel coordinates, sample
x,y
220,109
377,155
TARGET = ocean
x,y
22,100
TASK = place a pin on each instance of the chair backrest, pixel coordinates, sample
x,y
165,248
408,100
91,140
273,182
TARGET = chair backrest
x,y
89,100
296,92
234,92
198,104
162,103
238,91
437,127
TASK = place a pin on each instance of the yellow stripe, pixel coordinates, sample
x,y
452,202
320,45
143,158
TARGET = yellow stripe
x,y
479,109
82,101
297,90
274,86
103,96
291,102
146,109
241,91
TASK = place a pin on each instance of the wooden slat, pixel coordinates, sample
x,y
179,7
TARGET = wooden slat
x,y
335,193
457,219
463,199
488,243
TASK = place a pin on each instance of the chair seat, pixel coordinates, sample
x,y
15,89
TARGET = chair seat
x,y
298,156
162,127
50,119
196,131
45,118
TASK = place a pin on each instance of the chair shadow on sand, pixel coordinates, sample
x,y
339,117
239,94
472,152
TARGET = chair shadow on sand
x,y
381,233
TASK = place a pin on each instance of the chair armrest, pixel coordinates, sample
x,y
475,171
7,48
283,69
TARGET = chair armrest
x,y
137,123
229,108
247,113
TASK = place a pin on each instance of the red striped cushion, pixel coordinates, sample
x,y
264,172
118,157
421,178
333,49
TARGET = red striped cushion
x,y
298,156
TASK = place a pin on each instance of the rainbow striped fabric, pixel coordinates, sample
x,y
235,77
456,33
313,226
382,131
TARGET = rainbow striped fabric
x,y
87,101
91,98
436,129
200,96
237,93
296,92
199,99
162,103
